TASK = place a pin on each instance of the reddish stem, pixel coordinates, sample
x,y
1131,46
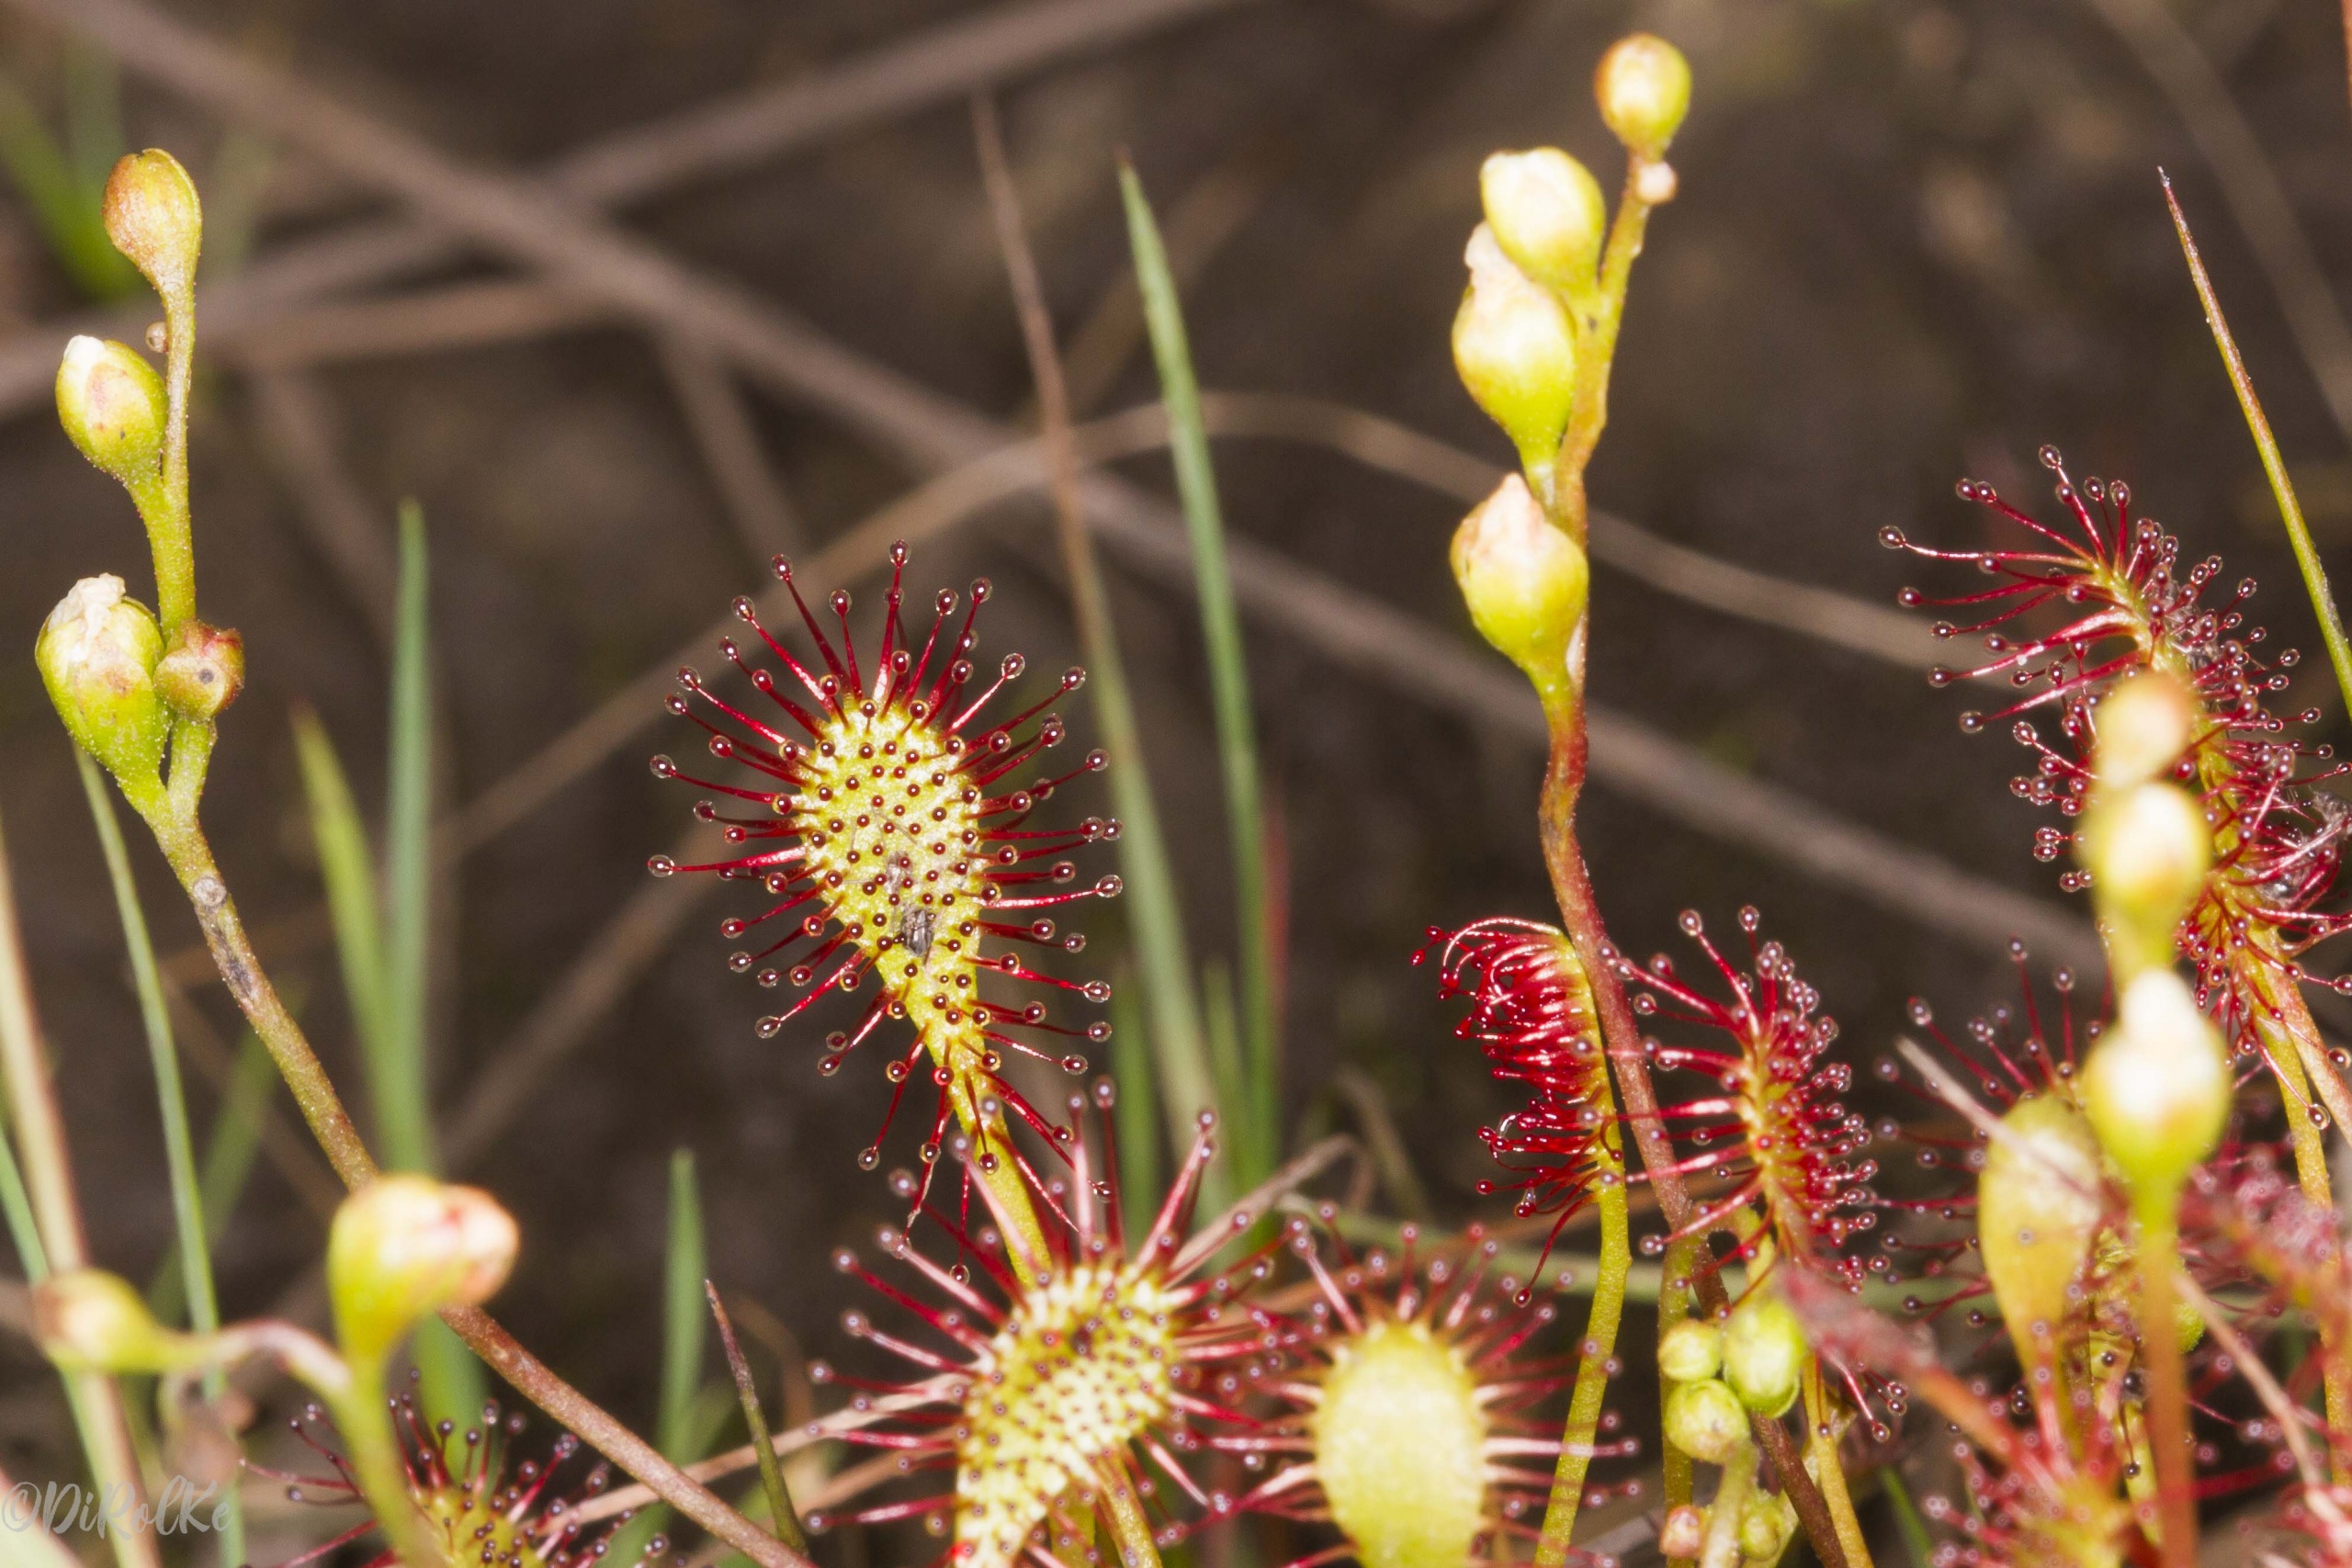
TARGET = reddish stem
x,y
1621,1039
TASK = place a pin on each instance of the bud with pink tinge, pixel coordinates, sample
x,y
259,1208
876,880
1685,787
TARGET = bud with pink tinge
x,y
1526,582
203,671
152,217
98,653
112,403
406,1245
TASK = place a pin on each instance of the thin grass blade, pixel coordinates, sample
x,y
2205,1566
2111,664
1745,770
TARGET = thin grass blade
x,y
781,1513
408,865
191,1236
2290,511
677,1430
1221,631
1154,906
231,1149
1136,1108
348,867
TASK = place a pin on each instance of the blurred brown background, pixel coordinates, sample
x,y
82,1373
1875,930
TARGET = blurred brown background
x,y
1914,240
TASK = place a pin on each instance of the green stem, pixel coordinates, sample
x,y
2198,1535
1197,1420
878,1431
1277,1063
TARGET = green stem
x,y
2159,1257
361,1416
169,534
781,1513
1828,1473
2299,535
1674,1308
1129,1528
179,1153
1597,317
1719,1548
1595,1352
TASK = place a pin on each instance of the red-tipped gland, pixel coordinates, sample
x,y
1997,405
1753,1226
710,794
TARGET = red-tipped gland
x,y
203,671
154,217
1642,85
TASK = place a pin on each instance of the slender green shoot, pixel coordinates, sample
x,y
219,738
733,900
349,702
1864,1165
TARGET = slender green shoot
x,y
348,866
63,187
781,1513
231,1146
1137,1110
1221,630
2290,513
403,1106
686,1264
31,1255
1918,1544
682,1423
191,1236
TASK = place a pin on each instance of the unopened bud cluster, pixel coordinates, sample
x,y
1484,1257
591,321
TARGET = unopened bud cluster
x,y
123,678
1532,342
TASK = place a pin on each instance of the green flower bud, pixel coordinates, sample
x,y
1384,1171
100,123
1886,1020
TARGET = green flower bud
x,y
1526,583
2144,725
1691,1349
204,671
406,1245
1764,1353
1766,1525
2158,1088
88,1320
1705,1420
1515,351
2147,848
152,217
2038,1216
112,403
1683,1531
1398,1444
1547,213
1644,88
98,653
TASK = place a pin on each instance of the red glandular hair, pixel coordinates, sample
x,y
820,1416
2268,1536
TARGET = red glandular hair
x,y
885,828
2077,606
490,1516
1075,1391
1788,1142
1531,1013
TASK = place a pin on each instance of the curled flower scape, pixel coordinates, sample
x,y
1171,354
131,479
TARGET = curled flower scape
x,y
885,831
1075,1394
1532,1013
487,1513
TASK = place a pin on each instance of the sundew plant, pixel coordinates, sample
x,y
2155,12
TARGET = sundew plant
x,y
2097,1284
